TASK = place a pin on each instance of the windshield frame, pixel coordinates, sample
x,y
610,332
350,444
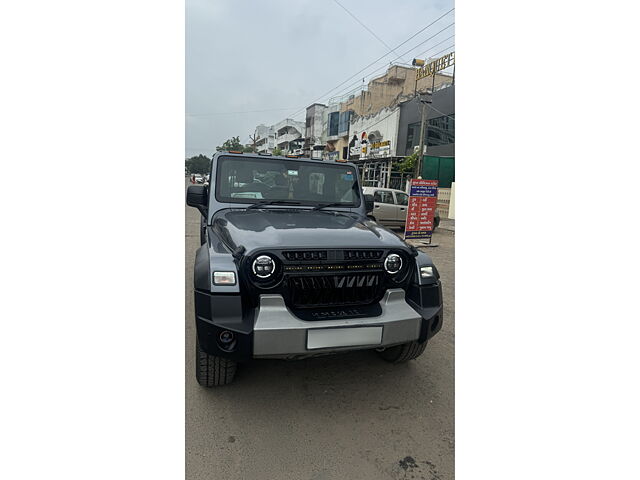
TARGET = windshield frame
x,y
284,161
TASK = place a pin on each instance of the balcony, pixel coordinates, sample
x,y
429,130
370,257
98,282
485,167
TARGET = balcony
x,y
287,137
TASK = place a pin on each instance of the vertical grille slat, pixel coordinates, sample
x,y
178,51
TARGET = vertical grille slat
x,y
308,291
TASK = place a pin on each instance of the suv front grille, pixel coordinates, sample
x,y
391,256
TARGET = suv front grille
x,y
296,255
362,254
308,291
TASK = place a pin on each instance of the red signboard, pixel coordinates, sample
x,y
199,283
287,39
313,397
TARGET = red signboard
x,y
423,197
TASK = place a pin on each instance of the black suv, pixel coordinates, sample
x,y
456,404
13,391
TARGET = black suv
x,y
290,267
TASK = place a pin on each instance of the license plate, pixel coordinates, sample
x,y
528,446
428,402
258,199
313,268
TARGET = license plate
x,y
343,337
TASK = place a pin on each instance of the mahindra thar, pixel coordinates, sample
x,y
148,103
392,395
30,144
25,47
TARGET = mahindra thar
x,y
291,266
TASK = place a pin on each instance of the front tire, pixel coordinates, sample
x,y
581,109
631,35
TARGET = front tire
x,y
213,371
403,353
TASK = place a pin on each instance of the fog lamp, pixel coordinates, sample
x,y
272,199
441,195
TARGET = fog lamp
x,y
224,278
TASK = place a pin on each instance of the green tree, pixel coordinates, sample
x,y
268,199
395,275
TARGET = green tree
x,y
408,165
230,145
277,151
198,164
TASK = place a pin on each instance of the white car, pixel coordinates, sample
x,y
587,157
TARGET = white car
x,y
390,207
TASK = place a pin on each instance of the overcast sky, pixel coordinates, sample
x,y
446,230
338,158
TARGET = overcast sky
x,y
248,55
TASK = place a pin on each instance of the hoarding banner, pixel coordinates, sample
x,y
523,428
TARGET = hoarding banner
x,y
421,211
435,66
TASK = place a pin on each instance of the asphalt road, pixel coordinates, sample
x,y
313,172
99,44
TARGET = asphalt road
x,y
349,416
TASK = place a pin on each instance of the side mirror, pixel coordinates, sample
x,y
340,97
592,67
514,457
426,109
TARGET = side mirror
x,y
198,197
368,202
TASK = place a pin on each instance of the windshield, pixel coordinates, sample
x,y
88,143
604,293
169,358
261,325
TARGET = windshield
x,y
248,180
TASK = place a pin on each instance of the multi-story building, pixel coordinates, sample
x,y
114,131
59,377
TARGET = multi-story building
x,y
375,125
315,130
396,85
287,132
385,123
287,135
265,139
440,126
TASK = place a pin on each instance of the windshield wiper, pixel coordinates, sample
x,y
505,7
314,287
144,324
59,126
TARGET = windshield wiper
x,y
327,205
273,202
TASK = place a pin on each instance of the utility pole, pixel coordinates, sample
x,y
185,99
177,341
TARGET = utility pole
x,y
423,132
423,123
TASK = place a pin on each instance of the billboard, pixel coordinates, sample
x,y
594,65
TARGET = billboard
x,y
421,210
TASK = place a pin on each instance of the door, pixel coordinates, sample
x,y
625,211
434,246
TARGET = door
x,y
384,208
402,203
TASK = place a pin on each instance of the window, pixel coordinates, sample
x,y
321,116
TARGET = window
x,y
413,137
441,130
241,180
381,196
402,198
343,123
334,120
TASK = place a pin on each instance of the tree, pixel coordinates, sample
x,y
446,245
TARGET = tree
x,y
198,164
230,145
277,151
408,165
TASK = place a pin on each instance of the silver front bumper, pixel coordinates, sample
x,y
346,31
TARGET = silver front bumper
x,y
279,333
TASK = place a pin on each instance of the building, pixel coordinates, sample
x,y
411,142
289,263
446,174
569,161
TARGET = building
x,y
398,84
287,132
375,125
287,135
315,130
265,139
440,128
385,124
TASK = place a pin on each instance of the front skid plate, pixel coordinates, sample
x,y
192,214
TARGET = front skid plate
x,y
279,333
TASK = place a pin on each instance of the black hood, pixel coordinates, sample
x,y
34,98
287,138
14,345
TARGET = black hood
x,y
295,228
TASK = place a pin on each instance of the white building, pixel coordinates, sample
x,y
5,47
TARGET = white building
x,y
286,132
265,139
286,135
374,136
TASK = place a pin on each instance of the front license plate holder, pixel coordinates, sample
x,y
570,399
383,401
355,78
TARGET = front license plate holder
x,y
343,337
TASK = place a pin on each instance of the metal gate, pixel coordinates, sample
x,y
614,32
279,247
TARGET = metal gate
x,y
382,175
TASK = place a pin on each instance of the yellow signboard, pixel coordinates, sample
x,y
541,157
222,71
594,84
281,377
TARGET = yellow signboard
x,y
435,66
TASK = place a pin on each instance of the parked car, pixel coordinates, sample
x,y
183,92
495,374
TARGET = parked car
x,y
291,266
390,207
199,178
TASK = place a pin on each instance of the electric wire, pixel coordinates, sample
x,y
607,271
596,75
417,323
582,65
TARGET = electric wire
x,y
376,61
371,75
364,26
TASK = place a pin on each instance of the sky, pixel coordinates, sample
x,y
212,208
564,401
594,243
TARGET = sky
x,y
251,62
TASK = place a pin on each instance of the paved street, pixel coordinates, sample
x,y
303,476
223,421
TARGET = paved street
x,y
350,416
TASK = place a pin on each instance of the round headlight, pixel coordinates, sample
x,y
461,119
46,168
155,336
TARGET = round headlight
x,y
263,266
393,263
